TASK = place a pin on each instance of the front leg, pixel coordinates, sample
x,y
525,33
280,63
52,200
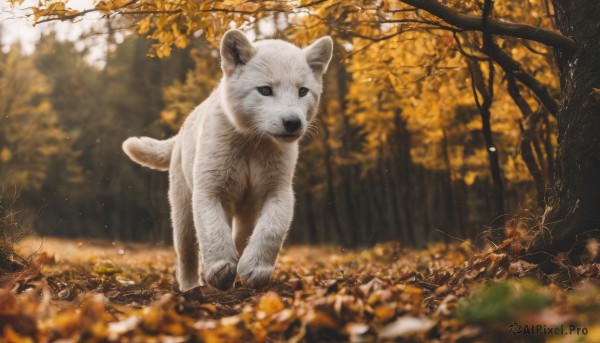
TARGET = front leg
x,y
258,260
213,226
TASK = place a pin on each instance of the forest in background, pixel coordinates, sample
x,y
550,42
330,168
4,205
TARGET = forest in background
x,y
439,122
402,148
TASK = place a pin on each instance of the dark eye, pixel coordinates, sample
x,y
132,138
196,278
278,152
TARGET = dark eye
x,y
303,91
265,90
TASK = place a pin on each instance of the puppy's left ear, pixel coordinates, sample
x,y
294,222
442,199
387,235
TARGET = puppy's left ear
x,y
236,50
318,54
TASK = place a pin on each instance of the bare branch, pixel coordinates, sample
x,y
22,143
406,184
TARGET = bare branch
x,y
418,21
494,26
532,49
125,9
511,66
527,126
514,68
465,53
81,13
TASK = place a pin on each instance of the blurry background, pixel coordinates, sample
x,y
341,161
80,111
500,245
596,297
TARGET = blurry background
x,y
402,150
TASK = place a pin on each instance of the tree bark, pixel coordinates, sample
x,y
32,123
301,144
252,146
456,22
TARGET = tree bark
x,y
573,212
550,151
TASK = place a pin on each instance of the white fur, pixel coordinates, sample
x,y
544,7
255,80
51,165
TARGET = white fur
x,y
232,163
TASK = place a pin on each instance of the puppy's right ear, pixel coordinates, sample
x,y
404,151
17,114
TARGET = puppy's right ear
x,y
236,50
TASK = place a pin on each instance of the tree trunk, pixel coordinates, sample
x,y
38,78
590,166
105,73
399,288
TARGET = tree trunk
x,y
389,188
550,151
342,235
403,159
447,188
573,212
487,93
310,218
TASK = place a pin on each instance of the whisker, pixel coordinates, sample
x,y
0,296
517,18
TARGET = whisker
x,y
312,130
257,135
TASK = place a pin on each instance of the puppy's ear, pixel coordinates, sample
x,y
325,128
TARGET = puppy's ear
x,y
236,50
318,54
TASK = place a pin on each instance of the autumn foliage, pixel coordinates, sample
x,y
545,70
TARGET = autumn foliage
x,y
429,169
95,291
416,111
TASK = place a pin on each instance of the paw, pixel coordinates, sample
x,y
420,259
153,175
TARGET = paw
x,y
254,275
184,284
259,277
220,274
187,276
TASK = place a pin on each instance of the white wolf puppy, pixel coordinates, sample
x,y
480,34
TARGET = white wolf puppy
x,y
231,165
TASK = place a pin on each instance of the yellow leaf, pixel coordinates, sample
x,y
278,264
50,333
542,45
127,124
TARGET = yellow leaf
x,y
144,25
271,303
470,178
5,155
384,313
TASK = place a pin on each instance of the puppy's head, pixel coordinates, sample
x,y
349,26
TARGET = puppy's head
x,y
272,87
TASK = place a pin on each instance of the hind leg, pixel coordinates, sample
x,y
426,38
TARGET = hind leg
x,y
184,234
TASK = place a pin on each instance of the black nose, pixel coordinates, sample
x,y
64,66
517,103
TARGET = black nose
x,y
292,125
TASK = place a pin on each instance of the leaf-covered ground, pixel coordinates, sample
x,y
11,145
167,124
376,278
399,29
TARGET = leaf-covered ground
x,y
95,291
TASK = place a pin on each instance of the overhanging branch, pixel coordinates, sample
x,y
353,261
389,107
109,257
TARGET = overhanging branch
x,y
494,26
515,69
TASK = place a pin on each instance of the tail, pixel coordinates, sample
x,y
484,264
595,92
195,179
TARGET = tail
x,y
150,152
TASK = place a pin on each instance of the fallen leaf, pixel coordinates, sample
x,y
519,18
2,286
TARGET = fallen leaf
x,y
271,303
405,327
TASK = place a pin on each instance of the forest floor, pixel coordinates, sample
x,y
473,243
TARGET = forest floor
x,y
98,291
